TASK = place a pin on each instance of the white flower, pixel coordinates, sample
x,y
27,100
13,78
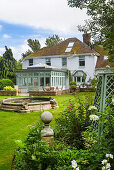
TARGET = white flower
x,y
108,166
104,161
103,168
77,168
109,156
74,164
92,108
93,117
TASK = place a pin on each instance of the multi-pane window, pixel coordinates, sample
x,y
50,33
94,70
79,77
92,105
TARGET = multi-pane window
x,y
79,76
48,61
30,83
24,81
64,62
81,61
78,79
31,62
41,81
47,81
69,47
35,81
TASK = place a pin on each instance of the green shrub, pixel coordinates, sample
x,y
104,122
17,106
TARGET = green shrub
x,y
9,88
67,128
36,154
73,129
72,83
73,122
6,82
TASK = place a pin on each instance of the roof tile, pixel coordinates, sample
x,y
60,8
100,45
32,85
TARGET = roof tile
x,y
78,48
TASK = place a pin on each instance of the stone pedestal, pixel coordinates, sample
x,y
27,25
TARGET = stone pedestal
x,y
47,132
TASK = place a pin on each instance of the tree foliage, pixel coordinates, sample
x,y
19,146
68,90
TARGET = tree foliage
x,y
19,64
7,65
34,44
54,40
101,23
28,52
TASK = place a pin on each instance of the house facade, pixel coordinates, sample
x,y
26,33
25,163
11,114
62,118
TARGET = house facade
x,y
50,65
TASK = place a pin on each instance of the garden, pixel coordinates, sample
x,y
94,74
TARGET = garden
x,y
83,137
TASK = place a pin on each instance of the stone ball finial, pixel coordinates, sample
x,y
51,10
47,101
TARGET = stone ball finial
x,y
46,117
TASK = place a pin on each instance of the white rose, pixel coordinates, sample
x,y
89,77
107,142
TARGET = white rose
x,y
74,164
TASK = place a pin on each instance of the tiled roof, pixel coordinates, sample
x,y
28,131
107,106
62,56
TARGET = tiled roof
x,y
101,63
78,48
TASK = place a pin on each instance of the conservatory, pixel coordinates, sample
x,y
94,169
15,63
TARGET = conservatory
x,y
40,76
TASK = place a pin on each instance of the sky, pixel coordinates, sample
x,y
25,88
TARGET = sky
x,y
21,20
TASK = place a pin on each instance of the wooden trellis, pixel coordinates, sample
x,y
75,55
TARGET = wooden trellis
x,y
105,89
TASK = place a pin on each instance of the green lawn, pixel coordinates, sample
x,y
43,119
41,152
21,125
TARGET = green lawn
x,y
13,126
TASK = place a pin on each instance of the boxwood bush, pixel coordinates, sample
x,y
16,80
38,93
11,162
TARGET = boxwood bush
x,y
9,88
5,82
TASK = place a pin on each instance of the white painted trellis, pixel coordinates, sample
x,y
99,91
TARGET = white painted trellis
x,y
105,90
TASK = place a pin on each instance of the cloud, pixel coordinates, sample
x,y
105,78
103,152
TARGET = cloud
x,y
2,50
6,36
0,27
54,15
19,49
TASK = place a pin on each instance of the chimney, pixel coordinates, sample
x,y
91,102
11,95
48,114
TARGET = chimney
x,y
87,38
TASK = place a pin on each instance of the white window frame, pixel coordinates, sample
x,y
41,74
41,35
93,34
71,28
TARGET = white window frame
x,y
48,61
64,61
82,61
30,61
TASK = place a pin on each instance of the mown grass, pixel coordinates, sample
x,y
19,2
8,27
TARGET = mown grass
x,y
13,126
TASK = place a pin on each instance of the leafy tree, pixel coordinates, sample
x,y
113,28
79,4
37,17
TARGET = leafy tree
x,y
101,23
19,64
54,40
7,65
34,44
28,52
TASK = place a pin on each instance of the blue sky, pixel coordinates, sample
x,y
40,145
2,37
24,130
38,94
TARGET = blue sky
x,y
36,19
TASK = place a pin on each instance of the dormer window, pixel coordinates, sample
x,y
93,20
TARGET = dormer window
x,y
48,61
69,47
30,62
105,57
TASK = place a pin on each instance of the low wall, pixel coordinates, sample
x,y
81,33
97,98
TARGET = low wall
x,y
81,90
74,90
87,90
48,93
8,93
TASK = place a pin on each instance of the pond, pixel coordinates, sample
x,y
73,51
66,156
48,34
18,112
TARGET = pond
x,y
28,104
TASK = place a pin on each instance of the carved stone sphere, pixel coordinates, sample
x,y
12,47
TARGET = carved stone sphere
x,y
46,117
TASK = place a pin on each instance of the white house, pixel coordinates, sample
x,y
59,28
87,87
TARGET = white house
x,y
71,54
